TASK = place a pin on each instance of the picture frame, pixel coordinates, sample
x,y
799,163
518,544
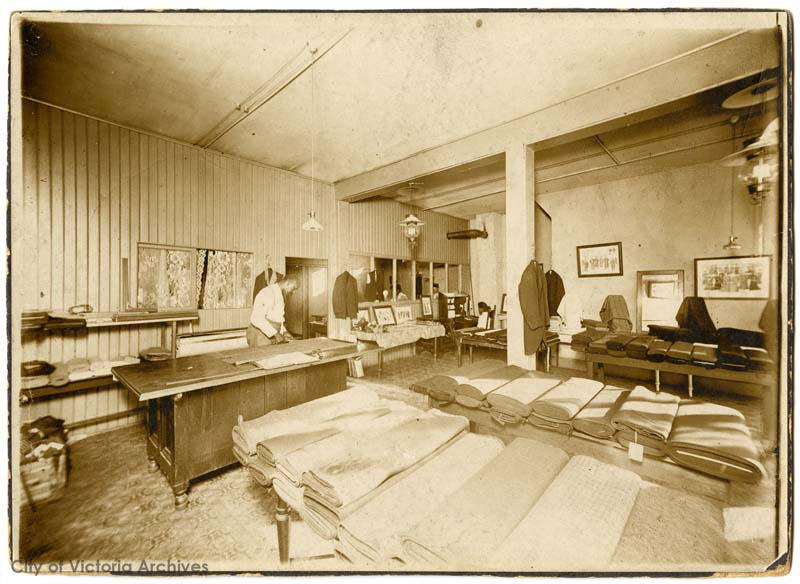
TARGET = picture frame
x,y
733,277
384,315
503,304
427,307
599,260
363,313
403,313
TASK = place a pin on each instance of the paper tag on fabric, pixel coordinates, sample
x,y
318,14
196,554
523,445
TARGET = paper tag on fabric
x,y
635,451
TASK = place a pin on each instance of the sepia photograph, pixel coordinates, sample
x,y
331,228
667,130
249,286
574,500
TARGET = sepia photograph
x,y
308,292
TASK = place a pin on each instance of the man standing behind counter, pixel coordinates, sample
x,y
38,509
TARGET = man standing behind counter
x,y
267,326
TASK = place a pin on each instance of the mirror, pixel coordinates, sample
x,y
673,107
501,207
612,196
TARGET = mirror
x,y
659,295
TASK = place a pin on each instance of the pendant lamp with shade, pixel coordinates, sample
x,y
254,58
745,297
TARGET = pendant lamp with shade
x,y
411,224
312,223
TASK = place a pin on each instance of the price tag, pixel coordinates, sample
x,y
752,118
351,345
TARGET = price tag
x,y
635,451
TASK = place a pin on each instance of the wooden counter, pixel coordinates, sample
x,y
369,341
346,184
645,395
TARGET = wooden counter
x,y
194,402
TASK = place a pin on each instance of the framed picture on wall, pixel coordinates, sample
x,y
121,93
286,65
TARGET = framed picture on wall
x,y
384,315
733,278
427,308
599,260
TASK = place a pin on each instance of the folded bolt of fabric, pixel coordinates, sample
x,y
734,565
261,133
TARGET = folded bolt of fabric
x,y
599,346
658,350
470,524
473,392
680,352
731,357
758,359
77,364
616,345
595,418
638,347
371,534
645,418
443,387
549,423
704,355
567,399
576,524
517,396
714,439
60,375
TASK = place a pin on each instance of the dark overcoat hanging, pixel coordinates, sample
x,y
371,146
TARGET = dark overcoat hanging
x,y
533,302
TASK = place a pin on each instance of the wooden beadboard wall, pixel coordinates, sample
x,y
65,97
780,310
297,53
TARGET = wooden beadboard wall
x,y
92,190
375,229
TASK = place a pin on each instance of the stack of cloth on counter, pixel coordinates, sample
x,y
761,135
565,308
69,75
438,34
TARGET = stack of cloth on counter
x,y
714,439
556,408
35,374
79,369
657,352
645,418
638,347
617,344
600,346
680,353
443,387
472,392
595,419
704,355
513,402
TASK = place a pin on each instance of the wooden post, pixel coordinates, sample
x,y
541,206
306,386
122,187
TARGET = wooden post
x,y
520,243
394,279
447,277
430,274
460,279
413,280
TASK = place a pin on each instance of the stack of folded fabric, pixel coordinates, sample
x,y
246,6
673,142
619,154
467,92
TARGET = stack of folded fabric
x,y
60,375
680,353
671,333
638,347
513,403
595,418
466,527
617,344
339,470
704,355
600,346
731,357
472,393
576,524
741,337
556,409
658,350
645,418
247,434
758,359
715,440
580,341
442,387
370,535
35,374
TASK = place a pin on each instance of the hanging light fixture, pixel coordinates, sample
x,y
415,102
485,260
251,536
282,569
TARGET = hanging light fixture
x,y
759,163
411,224
733,241
312,224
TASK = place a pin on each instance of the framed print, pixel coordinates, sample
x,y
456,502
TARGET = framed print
x,y
599,260
363,314
733,278
503,304
384,315
403,314
427,308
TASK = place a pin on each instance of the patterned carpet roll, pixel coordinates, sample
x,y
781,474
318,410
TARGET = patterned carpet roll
x,y
576,524
646,417
344,467
466,528
249,433
442,387
517,397
371,534
472,393
565,400
715,440
595,418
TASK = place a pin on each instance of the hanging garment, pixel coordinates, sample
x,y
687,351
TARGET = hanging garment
x,y
694,316
345,296
555,291
533,302
615,314
264,279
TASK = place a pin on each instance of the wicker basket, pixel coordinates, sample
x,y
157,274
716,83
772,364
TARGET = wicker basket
x,y
45,479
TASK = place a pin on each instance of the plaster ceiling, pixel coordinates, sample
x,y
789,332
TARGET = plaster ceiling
x,y
396,84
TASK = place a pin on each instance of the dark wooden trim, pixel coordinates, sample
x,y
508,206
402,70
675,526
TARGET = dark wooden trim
x,y
72,387
306,262
106,418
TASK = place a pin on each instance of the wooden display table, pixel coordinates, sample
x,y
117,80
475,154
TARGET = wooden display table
x,y
194,402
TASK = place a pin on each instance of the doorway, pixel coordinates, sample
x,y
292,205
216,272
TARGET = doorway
x,y
307,309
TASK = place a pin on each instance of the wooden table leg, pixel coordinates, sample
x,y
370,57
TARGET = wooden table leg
x,y
691,385
435,348
547,360
590,368
380,363
471,356
601,370
658,380
181,492
282,524
458,350
558,348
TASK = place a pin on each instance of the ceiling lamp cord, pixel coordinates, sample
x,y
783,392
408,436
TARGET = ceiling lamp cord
x,y
733,240
312,224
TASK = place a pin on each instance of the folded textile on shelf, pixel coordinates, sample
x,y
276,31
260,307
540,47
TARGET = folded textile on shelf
x,y
680,352
638,347
581,340
714,439
249,433
77,364
671,333
704,355
553,424
658,350
442,387
371,533
731,357
617,343
576,524
472,393
469,524
740,337
645,418
599,346
344,467
758,359
60,375
567,399
595,418
517,397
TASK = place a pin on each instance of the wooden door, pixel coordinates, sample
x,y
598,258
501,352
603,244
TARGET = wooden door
x,y
296,309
